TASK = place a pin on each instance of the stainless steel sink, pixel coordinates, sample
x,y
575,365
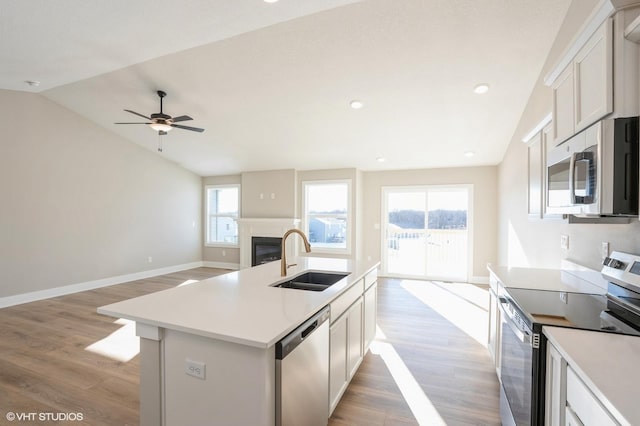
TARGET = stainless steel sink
x,y
312,281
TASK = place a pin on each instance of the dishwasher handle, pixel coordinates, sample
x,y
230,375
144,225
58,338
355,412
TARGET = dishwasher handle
x,y
297,336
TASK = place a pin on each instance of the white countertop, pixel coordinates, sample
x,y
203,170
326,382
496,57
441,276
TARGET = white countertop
x,y
607,363
240,306
549,279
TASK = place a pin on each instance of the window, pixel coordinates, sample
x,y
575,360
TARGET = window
x,y
327,216
223,210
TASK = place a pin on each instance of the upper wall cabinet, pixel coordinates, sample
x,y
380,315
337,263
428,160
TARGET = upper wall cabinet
x,y
597,76
593,78
583,92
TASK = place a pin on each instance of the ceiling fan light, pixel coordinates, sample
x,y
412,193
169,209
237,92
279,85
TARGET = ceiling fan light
x,y
160,127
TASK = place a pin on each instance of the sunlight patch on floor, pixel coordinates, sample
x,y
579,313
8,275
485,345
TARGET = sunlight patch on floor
x,y
423,410
468,317
187,282
121,345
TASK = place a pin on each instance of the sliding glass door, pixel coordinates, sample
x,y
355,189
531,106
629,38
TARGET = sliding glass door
x,y
426,232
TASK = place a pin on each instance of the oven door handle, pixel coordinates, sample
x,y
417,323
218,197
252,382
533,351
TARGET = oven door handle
x,y
523,336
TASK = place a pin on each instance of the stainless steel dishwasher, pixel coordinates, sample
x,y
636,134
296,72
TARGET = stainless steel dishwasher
x,y
302,374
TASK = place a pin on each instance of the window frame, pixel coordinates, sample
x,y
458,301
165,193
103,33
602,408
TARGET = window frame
x,y
235,218
305,216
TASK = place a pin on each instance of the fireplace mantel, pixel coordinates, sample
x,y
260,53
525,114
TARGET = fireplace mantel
x,y
264,227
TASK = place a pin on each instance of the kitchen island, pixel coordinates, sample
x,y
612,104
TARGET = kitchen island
x,y
207,348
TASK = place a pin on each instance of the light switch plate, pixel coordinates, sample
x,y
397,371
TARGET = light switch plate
x,y
564,242
195,368
604,250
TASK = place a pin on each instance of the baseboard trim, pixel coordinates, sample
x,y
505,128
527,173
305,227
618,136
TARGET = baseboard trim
x,y
34,296
221,265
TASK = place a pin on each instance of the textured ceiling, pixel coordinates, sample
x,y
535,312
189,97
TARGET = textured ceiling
x,y
272,86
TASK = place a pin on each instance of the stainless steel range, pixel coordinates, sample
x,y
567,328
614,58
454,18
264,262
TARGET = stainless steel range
x,y
526,311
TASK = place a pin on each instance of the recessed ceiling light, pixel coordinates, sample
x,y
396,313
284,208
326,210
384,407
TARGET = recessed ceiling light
x,y
356,104
469,154
270,1
381,159
481,88
33,83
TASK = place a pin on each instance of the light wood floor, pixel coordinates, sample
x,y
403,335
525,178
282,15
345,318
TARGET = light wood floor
x,y
44,367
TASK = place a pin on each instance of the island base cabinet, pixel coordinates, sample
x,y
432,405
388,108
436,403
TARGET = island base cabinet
x,y
370,306
355,337
346,351
231,373
338,377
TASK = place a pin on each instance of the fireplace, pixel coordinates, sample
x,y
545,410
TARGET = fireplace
x,y
265,249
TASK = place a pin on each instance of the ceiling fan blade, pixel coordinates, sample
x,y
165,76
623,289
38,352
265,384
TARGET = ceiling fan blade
x,y
131,123
138,114
193,129
181,118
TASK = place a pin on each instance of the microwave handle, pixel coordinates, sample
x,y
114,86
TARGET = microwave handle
x,y
590,185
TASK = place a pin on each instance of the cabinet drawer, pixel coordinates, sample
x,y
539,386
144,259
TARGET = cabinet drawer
x,y
584,404
342,303
370,278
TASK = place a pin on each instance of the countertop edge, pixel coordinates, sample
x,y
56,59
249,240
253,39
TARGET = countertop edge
x,y
260,344
593,387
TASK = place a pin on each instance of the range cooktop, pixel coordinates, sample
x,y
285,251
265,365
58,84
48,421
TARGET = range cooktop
x,y
616,312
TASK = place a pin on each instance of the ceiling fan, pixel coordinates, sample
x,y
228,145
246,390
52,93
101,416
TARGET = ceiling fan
x,y
162,122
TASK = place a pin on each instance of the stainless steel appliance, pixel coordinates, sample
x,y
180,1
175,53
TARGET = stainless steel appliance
x,y
526,311
302,374
595,173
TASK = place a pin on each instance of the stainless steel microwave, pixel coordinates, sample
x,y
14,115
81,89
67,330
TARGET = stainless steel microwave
x,y
595,173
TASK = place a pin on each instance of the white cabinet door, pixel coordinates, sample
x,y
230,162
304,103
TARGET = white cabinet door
x,y
584,404
338,374
555,388
593,78
370,307
355,337
535,166
563,106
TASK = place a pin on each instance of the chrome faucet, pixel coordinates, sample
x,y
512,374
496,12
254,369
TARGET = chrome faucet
x,y
283,255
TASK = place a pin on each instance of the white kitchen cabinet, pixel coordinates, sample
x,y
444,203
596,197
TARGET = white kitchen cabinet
x,y
583,92
345,350
568,401
593,77
586,407
338,351
555,388
370,317
355,337
563,106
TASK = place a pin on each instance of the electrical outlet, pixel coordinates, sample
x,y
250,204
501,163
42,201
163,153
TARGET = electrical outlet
x,y
564,296
604,250
564,242
195,368
150,259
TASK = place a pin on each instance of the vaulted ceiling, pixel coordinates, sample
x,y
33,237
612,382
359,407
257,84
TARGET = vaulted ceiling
x,y
272,82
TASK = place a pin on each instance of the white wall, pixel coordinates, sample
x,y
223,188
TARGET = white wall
x,y
534,243
80,203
